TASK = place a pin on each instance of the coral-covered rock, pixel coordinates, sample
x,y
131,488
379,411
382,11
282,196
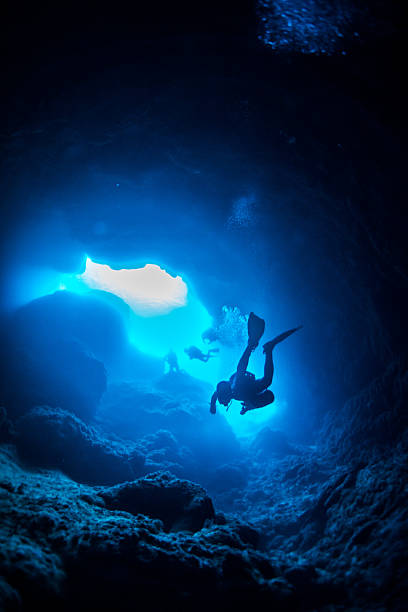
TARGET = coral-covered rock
x,y
179,504
231,532
343,524
372,421
360,522
69,550
55,438
164,453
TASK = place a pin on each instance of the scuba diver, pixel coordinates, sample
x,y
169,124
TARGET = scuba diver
x,y
243,386
171,359
195,353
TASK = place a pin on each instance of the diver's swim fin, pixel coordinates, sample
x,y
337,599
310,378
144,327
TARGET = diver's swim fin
x,y
272,343
256,328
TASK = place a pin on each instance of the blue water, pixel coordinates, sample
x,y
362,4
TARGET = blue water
x,y
159,313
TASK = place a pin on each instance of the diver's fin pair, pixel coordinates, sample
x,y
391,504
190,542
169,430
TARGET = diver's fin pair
x,y
269,346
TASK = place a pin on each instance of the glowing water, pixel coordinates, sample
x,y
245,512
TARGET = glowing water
x,y
161,312
149,291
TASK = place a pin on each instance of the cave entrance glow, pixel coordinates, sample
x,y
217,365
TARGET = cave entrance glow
x,y
162,312
149,291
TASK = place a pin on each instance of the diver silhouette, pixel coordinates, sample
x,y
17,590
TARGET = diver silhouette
x,y
195,353
171,359
243,386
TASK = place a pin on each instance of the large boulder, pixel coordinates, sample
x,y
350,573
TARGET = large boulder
x,y
163,452
271,443
229,476
64,315
55,438
179,504
61,373
52,352
62,547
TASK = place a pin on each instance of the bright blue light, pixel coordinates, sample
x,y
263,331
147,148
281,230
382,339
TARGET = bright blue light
x,y
161,311
149,291
30,282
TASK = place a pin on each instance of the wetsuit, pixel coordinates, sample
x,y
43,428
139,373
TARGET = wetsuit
x,y
243,386
246,388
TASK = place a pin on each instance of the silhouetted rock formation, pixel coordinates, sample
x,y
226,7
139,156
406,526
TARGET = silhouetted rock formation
x,y
6,428
55,438
70,550
319,527
268,181
269,442
176,404
372,421
56,372
179,504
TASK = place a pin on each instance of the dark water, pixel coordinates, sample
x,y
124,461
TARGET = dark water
x,y
252,153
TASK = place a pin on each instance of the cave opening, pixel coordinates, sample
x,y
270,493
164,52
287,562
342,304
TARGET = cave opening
x,y
167,176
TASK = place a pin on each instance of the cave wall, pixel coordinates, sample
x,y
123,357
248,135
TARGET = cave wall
x,y
278,178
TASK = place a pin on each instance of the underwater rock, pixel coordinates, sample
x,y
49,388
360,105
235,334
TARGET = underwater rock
x,y
343,523
60,373
52,352
164,453
269,443
162,445
55,438
177,404
332,535
319,28
64,315
359,522
68,550
278,491
181,505
6,428
371,422
229,476
233,532
9,597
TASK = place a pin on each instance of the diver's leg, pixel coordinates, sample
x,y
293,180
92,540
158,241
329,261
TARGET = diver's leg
x,y
272,343
263,383
243,362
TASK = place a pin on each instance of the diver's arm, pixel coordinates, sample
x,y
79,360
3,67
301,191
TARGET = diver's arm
x,y
214,398
243,362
